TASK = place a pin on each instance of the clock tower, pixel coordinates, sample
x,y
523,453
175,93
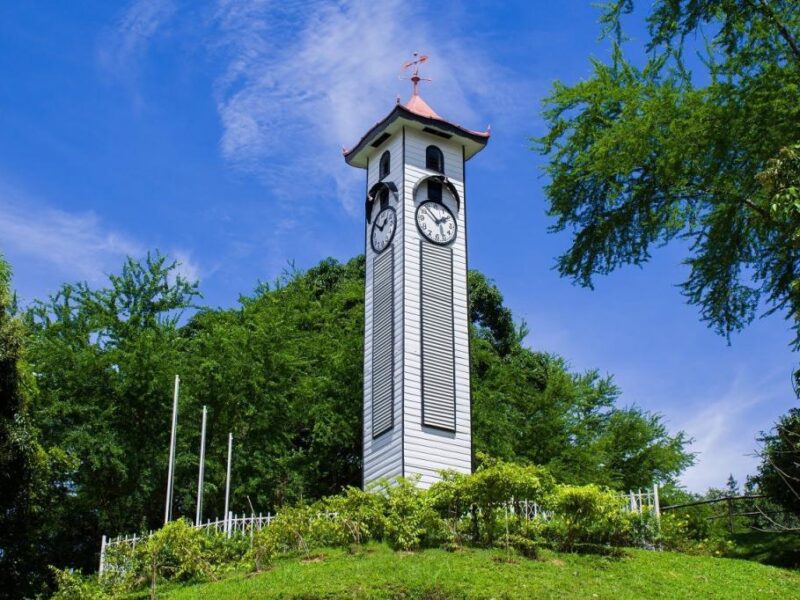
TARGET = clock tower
x,y
416,345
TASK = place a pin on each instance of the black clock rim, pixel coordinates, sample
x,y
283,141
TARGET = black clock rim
x,y
424,235
374,224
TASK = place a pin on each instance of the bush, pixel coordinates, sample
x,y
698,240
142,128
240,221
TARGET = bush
x,y
524,546
360,517
479,508
678,533
264,549
586,515
74,586
411,520
493,485
177,552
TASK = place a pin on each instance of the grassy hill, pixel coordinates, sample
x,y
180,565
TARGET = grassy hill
x,y
378,572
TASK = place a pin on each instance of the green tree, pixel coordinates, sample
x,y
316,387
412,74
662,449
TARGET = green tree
x,y
732,486
779,472
104,361
27,470
18,447
283,372
701,148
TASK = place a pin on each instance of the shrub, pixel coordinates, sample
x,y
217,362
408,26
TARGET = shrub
x,y
524,546
264,549
291,530
586,514
74,586
359,517
411,520
493,485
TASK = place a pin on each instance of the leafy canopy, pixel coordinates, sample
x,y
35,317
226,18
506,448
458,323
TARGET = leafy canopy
x,y
283,371
698,143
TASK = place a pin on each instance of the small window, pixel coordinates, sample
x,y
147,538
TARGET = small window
x,y
383,195
386,159
434,190
434,159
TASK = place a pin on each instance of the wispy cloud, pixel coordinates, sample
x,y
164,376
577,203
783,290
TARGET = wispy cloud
x,y
79,246
726,426
122,46
304,79
300,79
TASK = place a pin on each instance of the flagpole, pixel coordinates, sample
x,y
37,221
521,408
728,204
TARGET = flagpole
x,y
228,483
171,469
199,517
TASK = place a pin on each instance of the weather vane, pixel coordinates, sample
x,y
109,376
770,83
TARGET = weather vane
x,y
415,78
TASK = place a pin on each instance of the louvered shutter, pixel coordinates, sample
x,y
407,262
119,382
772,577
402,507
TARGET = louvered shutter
x,y
383,342
438,361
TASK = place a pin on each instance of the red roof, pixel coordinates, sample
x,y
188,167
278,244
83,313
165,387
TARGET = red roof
x,y
417,107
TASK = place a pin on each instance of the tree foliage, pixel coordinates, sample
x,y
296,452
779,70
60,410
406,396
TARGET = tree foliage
x,y
779,472
698,143
29,474
283,372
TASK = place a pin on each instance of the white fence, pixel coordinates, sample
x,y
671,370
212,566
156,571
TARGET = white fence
x,y
638,502
641,500
234,524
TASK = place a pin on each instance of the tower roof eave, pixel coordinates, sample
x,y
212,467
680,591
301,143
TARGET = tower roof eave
x,y
416,111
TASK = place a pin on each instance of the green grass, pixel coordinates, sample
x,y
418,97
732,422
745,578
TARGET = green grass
x,y
379,572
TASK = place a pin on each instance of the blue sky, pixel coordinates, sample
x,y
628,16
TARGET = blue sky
x,y
213,132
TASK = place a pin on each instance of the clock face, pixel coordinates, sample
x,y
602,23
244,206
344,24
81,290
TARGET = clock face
x,y
436,222
383,229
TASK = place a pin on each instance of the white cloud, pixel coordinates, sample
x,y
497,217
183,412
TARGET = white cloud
x,y
78,246
122,46
308,93
302,78
726,427
187,267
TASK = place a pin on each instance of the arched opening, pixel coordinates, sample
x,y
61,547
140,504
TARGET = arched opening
x,y
381,191
383,168
434,159
434,190
444,182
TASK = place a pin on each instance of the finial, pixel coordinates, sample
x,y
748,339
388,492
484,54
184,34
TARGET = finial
x,y
415,78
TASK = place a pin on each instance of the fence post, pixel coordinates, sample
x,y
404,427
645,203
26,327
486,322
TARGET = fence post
x,y
656,502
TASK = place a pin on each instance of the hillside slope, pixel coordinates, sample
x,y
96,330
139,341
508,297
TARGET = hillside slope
x,y
381,573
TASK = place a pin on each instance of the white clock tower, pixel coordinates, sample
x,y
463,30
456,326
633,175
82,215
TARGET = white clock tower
x,y
416,347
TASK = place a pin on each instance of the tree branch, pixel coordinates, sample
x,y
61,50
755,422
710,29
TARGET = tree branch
x,y
785,33
758,209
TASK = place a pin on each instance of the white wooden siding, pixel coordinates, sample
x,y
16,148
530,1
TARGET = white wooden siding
x,y
383,455
428,451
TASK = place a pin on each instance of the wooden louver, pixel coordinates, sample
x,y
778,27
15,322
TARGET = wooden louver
x,y
438,361
383,342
